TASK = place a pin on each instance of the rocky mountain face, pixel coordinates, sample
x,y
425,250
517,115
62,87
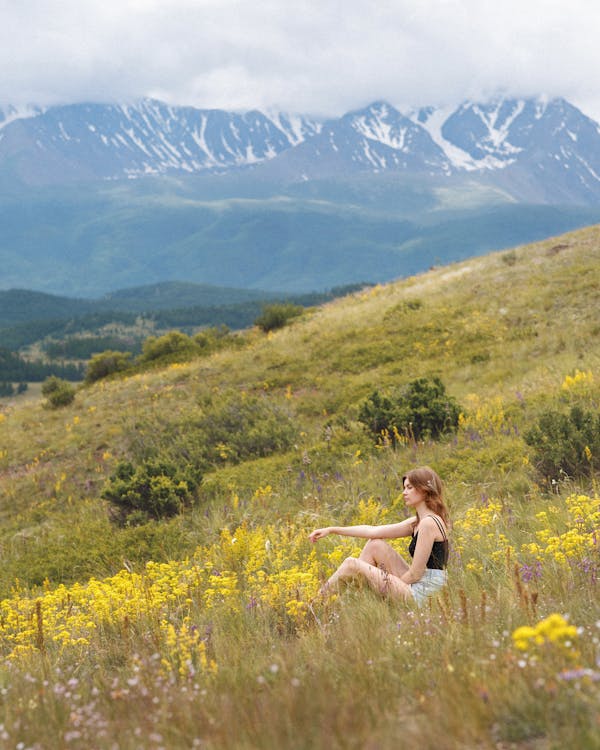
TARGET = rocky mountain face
x,y
535,150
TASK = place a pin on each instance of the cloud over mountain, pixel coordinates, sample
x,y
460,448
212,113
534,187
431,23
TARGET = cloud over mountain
x,y
326,57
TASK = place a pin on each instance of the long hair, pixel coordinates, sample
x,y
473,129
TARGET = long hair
x,y
429,483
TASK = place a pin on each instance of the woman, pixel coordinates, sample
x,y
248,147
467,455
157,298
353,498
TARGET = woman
x,y
380,565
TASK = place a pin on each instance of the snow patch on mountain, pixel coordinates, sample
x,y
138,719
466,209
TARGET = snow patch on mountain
x,y
498,127
11,114
296,127
487,128
433,120
376,125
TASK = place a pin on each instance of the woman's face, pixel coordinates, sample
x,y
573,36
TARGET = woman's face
x,y
412,496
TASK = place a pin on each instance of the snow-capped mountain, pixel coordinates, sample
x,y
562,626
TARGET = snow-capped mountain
x,y
544,143
97,141
533,149
376,139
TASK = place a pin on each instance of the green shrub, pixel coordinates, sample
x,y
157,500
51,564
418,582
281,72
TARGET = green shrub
x,y
277,316
106,363
378,413
566,443
151,490
58,392
172,347
421,410
51,384
225,428
211,339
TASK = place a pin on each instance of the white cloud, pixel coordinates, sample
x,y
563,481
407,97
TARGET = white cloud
x,y
321,56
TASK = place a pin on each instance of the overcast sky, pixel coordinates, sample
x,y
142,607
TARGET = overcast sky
x,y
322,57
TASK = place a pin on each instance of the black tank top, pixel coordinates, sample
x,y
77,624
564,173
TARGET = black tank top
x,y
438,559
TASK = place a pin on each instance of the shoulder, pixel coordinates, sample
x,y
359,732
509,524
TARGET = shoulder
x,y
433,524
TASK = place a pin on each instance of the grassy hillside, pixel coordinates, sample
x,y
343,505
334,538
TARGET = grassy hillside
x,y
196,631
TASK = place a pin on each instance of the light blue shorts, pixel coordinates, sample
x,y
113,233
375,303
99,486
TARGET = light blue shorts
x,y
431,582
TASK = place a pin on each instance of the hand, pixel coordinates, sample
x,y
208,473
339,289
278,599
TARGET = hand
x,y
318,534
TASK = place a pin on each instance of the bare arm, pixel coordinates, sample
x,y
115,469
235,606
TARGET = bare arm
x,y
427,534
387,531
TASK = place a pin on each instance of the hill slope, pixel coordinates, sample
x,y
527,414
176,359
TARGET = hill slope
x,y
186,614
508,323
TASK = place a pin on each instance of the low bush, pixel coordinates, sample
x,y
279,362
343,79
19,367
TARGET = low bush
x,y
421,410
566,443
6,389
106,363
151,490
172,347
237,426
277,316
212,339
58,392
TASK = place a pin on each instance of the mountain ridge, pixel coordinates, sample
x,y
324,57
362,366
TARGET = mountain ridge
x,y
538,149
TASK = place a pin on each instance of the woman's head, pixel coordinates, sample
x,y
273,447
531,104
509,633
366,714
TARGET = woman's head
x,y
428,482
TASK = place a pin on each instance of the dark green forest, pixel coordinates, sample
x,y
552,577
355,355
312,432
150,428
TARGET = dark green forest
x,y
72,329
14,368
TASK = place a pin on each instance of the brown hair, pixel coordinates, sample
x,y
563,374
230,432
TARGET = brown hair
x,y
429,483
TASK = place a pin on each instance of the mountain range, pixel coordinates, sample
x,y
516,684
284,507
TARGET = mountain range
x,y
542,150
98,197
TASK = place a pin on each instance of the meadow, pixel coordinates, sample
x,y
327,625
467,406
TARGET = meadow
x,y
201,630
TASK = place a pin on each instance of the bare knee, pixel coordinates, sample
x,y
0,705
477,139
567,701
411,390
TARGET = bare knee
x,y
349,567
373,551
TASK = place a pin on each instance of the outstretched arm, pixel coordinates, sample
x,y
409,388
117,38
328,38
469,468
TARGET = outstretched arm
x,y
387,531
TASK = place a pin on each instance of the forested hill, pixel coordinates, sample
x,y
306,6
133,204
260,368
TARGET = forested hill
x,y
23,305
28,316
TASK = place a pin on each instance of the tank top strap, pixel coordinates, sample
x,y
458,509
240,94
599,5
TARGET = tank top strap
x,y
439,525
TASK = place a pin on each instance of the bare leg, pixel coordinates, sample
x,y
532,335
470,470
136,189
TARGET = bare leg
x,y
379,565
382,555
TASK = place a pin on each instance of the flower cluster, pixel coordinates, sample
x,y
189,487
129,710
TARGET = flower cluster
x,y
553,632
580,537
577,382
479,534
482,417
272,567
566,535
480,516
185,650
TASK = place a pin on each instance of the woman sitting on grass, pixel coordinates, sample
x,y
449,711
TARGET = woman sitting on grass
x,y
380,565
